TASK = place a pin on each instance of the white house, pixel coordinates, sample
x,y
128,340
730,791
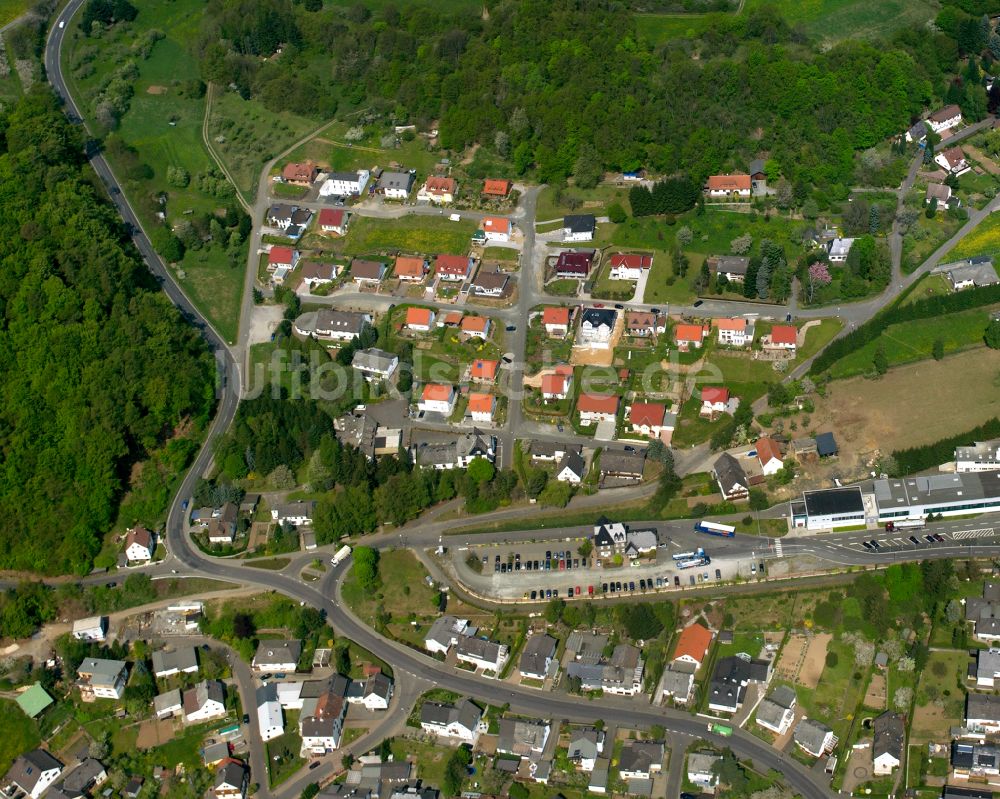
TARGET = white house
x,y
699,769
769,456
32,774
650,419
734,332
419,320
585,746
139,545
92,628
497,228
344,184
315,274
168,704
376,692
777,711
321,723
556,385
481,653
536,656
181,660
982,456
276,655
596,326
375,364
982,713
596,408
837,250
714,401
571,469
270,717
482,406
438,398
445,632
728,187
203,702
687,336
101,679
945,118
952,160
462,722
297,513
814,737
887,747
629,266
333,220
396,185
438,190
579,227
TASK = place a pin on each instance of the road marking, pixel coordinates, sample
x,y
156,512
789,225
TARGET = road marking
x,y
777,547
985,532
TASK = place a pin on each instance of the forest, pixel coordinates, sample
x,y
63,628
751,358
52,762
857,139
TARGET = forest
x,y
570,87
98,371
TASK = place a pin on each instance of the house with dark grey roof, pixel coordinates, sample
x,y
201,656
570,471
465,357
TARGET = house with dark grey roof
x,y
579,227
375,364
32,773
395,185
640,760
730,477
585,745
677,682
481,653
462,721
975,761
826,445
231,780
621,674
982,713
183,659
572,468
85,777
622,466
814,737
522,736
887,748
730,679
445,632
732,267
587,647
274,655
777,710
536,656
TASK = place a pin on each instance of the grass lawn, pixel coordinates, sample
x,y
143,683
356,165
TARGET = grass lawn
x,y
926,236
912,341
927,286
286,749
10,86
692,429
850,18
246,136
594,201
940,700
564,287
20,733
984,240
411,234
817,337
404,594
12,9
835,698
503,254
430,758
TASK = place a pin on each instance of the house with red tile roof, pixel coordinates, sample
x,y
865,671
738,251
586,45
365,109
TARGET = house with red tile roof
x,y
734,332
556,320
556,385
282,257
419,320
483,371
596,408
728,188
629,266
769,455
692,645
411,269
450,319
687,336
438,398
714,401
493,187
496,228
438,190
650,419
477,326
300,174
139,545
781,337
333,220
482,406
643,324
574,264
453,267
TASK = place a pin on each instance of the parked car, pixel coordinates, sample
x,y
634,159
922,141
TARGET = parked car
x,y
590,590
718,574
677,581
534,594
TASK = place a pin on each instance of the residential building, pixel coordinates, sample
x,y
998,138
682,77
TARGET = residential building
x,y
776,712
781,337
481,406
481,653
917,132
731,478
769,456
640,760
692,645
182,660
687,336
597,326
728,188
596,408
945,118
375,364
982,456
493,187
475,326
837,250
101,679
579,227
32,774
556,384
139,545
715,401
982,713
344,184
491,283
315,274
231,780
599,776
620,675
732,267
87,776
537,656
550,451
395,185
574,264
609,538
438,398
270,717
497,228
734,332
643,324
730,679
814,737
445,632
169,704
420,320
954,792
462,721
572,468
585,745
411,269
522,737
455,268
629,266
971,273
300,174
203,702
556,321
321,723
279,215
641,542
828,509
334,325
758,176
677,683
700,769
456,454
484,371
276,655
938,191
376,692
280,257
952,160
651,419
297,513
92,628
222,527
622,466
887,747
365,272
438,190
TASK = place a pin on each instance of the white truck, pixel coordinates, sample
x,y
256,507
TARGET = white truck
x,y
341,555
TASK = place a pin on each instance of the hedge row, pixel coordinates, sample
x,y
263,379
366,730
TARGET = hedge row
x,y
921,309
916,459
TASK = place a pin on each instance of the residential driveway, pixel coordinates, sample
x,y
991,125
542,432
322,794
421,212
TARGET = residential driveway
x,y
605,430
640,287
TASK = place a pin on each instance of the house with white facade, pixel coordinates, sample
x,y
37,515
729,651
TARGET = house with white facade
x,y
345,184
596,326
92,628
204,701
437,398
482,653
837,250
776,712
700,769
595,408
99,678
140,544
945,118
734,332
579,227
497,228
462,722
276,655
270,716
629,266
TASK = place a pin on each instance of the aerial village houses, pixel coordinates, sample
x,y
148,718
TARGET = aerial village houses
x,y
734,332
365,272
300,174
938,191
769,456
453,267
596,408
139,545
395,185
499,189
945,118
732,267
574,264
556,384
687,336
334,325
484,371
411,269
731,478
497,228
556,321
837,250
333,220
714,401
626,266
579,227
952,161
476,326
315,274
781,337
438,398
438,190
282,257
970,273
643,324
596,327
344,184
728,188
650,419
462,722
481,406
420,320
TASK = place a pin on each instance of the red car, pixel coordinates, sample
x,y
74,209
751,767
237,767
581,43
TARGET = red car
x,y
578,590
590,590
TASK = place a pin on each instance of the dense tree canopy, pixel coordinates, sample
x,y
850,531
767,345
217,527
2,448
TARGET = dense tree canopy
x,y
96,367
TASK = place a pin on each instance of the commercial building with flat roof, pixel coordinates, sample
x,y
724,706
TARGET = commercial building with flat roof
x,y
943,494
830,508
